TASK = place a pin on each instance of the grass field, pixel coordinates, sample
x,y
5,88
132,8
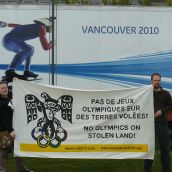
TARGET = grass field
x,y
85,165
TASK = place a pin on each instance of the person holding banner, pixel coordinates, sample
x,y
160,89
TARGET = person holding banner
x,y
162,106
6,141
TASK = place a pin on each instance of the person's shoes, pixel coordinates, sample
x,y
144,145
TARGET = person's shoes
x,y
28,73
11,73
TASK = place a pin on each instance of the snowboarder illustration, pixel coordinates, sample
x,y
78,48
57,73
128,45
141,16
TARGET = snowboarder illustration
x,y
15,41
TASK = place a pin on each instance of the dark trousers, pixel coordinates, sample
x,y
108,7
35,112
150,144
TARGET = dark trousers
x,y
20,166
161,135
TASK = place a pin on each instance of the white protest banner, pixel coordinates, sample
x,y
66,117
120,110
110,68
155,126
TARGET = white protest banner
x,y
63,123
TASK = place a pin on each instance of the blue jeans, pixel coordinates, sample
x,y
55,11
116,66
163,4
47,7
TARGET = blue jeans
x,y
23,51
19,162
161,135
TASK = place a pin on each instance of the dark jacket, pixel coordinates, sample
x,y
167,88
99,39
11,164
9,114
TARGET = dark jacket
x,y
163,102
6,114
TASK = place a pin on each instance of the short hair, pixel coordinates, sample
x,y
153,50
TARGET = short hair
x,y
154,75
3,82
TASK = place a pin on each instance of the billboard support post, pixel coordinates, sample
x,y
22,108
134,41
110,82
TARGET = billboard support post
x,y
52,58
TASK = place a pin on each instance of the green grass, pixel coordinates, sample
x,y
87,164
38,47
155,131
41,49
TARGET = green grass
x,y
85,165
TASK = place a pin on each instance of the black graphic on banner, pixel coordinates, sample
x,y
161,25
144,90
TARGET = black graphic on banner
x,y
48,131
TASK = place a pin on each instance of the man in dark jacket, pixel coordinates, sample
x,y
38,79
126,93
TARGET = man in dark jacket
x,y
162,106
6,115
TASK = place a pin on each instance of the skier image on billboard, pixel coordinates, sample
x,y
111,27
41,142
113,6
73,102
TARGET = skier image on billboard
x,y
15,41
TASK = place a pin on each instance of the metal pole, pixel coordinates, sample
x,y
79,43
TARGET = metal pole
x,y
52,59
